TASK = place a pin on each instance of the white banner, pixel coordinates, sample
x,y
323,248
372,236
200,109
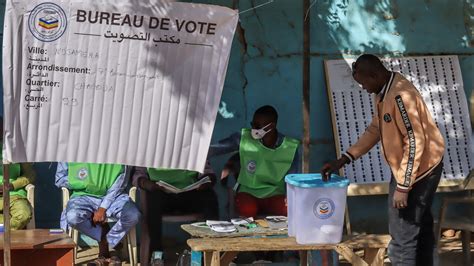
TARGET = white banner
x,y
129,82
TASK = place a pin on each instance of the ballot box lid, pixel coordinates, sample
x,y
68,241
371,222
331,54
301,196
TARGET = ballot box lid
x,y
315,180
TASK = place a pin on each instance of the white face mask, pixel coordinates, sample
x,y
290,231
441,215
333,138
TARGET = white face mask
x,y
260,133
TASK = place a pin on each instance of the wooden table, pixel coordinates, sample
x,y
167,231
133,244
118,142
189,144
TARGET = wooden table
x,y
40,248
221,251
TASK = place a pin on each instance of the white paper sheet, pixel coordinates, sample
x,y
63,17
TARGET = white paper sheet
x,y
130,82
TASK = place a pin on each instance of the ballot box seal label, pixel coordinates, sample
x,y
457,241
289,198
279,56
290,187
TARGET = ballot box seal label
x,y
324,208
47,22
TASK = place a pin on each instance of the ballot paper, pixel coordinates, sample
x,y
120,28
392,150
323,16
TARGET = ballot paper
x,y
242,221
221,226
172,189
277,222
200,224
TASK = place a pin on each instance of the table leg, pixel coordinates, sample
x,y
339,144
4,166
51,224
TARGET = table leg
x,y
370,254
303,257
466,246
374,256
216,258
207,258
350,256
228,257
67,259
196,258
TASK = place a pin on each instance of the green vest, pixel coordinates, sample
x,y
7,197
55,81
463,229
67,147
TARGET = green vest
x,y
174,177
263,170
14,172
92,179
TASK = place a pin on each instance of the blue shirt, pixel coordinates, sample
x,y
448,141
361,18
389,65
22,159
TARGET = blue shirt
x,y
232,144
117,189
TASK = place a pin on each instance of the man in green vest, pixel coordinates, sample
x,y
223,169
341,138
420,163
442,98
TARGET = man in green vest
x,y
21,175
266,157
98,193
156,201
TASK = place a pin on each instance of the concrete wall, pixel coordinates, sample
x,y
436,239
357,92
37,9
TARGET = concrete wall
x,y
266,64
266,68
342,28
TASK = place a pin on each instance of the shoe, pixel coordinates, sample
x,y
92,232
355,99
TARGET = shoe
x,y
157,262
260,262
450,233
157,259
100,261
115,261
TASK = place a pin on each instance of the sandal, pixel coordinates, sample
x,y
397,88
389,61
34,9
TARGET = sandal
x,y
115,261
100,261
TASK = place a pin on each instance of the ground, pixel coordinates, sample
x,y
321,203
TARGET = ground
x,y
451,253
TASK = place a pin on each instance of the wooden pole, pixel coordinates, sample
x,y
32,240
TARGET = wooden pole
x,y
6,215
306,86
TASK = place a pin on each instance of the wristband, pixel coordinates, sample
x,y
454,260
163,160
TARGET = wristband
x,y
402,190
347,160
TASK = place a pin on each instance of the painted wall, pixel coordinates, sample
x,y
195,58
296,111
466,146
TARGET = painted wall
x,y
266,63
341,28
266,68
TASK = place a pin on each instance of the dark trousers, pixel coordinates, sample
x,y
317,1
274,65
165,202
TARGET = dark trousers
x,y
413,239
154,204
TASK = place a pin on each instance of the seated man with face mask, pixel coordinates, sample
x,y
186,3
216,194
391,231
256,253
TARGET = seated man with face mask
x,y
266,157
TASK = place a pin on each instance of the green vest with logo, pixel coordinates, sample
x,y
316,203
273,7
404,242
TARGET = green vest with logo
x,y
92,179
174,177
263,170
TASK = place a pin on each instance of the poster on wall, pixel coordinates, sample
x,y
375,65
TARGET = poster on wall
x,y
439,80
129,82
